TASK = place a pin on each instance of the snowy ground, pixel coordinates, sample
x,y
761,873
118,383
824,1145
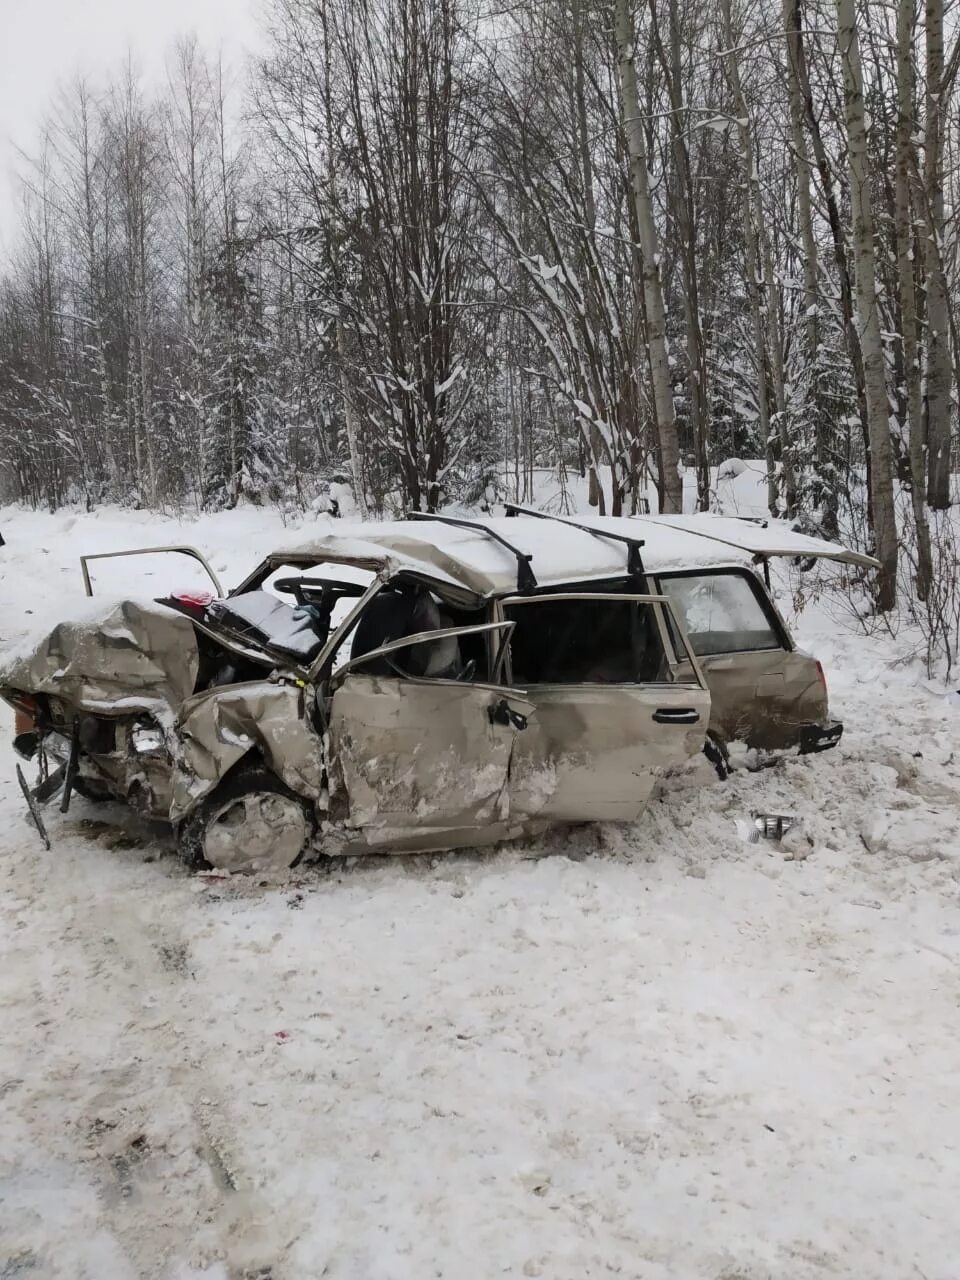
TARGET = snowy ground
x,y
651,1051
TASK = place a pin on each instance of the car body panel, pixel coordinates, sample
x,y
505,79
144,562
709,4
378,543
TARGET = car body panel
x,y
191,552
594,753
406,753
466,558
764,698
111,658
217,729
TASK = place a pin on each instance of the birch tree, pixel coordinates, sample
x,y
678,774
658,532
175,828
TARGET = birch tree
x,y
823,489
907,288
939,379
668,448
868,316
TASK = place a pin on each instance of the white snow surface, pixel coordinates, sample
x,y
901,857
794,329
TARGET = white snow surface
x,y
653,1051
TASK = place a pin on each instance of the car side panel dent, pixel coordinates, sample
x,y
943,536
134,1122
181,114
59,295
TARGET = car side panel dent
x,y
219,728
763,698
593,753
409,754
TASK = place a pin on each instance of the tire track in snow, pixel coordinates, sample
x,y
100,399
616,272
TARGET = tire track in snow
x,y
119,1108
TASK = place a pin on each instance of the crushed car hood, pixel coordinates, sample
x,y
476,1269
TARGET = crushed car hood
x,y
112,656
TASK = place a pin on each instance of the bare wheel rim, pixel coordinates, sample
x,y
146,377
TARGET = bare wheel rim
x,y
261,831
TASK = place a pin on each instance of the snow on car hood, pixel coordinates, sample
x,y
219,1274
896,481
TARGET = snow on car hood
x,y
134,652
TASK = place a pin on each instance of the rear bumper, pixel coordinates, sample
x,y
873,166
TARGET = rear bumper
x,y
820,737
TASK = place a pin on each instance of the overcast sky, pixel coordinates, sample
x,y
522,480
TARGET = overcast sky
x,y
45,42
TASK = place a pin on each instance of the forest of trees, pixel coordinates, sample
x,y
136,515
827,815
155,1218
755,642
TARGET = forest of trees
x,y
424,246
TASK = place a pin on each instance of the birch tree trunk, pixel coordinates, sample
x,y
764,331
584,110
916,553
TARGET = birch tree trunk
x,y
829,189
824,488
772,318
906,282
96,283
349,409
670,483
579,114
754,270
939,376
868,318
685,219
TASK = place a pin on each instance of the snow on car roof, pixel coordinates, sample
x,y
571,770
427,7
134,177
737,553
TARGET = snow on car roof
x,y
765,538
469,558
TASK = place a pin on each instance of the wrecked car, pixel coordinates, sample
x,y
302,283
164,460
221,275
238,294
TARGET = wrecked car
x,y
423,684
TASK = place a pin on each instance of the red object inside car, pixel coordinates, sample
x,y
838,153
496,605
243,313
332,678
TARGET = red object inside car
x,y
23,722
194,599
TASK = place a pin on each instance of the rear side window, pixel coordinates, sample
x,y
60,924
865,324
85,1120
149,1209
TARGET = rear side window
x,y
723,612
585,642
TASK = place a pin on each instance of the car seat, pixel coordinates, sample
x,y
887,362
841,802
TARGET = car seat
x,y
391,615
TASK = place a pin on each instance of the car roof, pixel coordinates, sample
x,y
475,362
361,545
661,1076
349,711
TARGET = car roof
x,y
471,558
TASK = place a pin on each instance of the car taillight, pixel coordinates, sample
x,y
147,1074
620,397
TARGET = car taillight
x,y
823,678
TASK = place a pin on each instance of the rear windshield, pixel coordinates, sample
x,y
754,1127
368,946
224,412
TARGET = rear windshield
x,y
723,612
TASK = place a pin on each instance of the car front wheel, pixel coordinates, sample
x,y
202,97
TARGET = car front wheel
x,y
251,823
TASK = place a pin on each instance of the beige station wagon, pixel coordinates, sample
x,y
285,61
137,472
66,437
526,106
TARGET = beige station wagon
x,y
423,684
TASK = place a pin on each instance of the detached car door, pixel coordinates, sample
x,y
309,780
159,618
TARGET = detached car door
x,y
416,753
609,712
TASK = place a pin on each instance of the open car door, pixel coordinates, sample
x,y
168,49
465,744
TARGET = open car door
x,y
610,712
416,754
191,552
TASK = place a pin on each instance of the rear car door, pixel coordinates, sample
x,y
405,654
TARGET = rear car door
x,y
765,692
415,753
610,712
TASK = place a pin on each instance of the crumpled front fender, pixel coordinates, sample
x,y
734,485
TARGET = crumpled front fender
x,y
220,727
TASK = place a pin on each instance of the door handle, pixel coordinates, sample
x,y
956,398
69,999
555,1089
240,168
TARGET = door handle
x,y
502,713
676,715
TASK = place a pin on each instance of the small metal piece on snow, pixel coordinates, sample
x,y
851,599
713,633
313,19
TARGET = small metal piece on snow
x,y
773,826
32,806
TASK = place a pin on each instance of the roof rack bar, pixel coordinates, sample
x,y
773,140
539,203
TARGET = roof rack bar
x,y
762,521
526,578
634,559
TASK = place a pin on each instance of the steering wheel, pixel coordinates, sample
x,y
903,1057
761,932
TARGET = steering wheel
x,y
298,588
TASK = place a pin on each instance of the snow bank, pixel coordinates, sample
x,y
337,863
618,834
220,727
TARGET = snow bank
x,y
652,1050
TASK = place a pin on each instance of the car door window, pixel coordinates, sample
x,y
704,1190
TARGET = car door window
x,y
723,612
585,641
402,610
